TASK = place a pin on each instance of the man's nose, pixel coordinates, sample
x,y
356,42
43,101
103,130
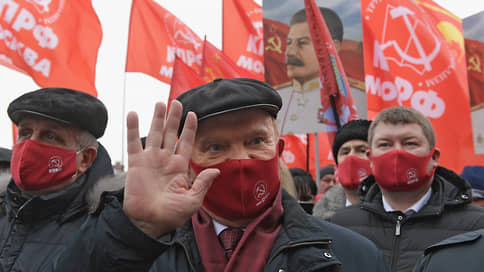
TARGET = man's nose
x,y
240,153
291,50
35,136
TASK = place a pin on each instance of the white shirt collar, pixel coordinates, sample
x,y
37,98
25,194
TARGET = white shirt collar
x,y
348,203
218,227
416,207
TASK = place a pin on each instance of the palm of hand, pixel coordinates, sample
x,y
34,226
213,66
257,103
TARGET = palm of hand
x,y
160,192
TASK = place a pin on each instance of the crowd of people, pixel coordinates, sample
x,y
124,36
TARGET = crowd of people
x,y
207,191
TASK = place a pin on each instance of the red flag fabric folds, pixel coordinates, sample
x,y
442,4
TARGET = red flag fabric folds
x,y
242,35
414,56
332,76
155,35
475,71
55,42
216,64
184,78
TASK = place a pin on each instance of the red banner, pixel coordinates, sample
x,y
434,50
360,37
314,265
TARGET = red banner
x,y
216,64
242,35
184,78
336,100
55,42
295,151
275,34
155,35
475,70
414,56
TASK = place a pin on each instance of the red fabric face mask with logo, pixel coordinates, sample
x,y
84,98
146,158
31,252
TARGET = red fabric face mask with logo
x,y
36,165
244,189
351,171
400,171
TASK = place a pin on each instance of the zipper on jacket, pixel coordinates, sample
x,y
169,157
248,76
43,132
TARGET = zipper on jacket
x,y
187,256
22,207
282,248
398,225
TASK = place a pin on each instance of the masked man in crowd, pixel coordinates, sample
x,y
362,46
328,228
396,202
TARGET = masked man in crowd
x,y
350,152
55,161
409,202
181,222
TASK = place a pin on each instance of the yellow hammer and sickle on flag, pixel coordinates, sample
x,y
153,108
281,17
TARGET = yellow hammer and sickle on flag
x,y
474,64
274,44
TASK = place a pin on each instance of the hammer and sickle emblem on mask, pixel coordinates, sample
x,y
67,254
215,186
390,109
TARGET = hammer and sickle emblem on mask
x,y
474,64
275,44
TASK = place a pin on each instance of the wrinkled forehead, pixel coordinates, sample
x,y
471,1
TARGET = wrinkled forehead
x,y
237,120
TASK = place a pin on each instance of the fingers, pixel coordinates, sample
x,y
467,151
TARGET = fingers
x,y
155,135
203,181
134,144
187,137
170,132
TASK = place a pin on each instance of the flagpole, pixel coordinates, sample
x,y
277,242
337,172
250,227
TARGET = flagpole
x,y
307,152
316,157
123,123
335,112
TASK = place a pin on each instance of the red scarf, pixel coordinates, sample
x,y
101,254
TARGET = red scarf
x,y
253,248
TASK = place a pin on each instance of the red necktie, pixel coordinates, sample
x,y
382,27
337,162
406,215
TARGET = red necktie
x,y
229,238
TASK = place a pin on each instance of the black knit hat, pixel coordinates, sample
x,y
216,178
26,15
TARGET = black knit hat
x,y
74,108
353,130
226,95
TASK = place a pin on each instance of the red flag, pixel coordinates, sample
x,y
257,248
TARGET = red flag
x,y
184,78
336,99
55,42
275,34
217,65
475,70
296,148
242,35
155,35
414,56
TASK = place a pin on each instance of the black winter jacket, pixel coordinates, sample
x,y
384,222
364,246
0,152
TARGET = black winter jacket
x,y
35,229
462,252
303,244
403,239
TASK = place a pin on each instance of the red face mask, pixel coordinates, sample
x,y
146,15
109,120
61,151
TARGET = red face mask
x,y
37,165
400,171
244,189
351,171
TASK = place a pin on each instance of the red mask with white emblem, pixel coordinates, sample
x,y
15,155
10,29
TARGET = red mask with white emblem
x,y
400,171
36,165
351,171
244,189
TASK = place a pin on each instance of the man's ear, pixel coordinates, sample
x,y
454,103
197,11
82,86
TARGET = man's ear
x,y
436,156
280,145
86,158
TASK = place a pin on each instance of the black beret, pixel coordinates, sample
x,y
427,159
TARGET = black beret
x,y
74,108
353,130
226,95
325,170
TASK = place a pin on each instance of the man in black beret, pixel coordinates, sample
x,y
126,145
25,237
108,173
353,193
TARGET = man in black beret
x,y
212,201
55,161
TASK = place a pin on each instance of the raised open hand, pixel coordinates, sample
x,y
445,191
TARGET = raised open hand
x,y
160,193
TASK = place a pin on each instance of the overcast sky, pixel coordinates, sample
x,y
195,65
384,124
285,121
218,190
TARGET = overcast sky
x,y
204,17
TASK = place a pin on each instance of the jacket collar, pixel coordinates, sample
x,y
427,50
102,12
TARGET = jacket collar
x,y
297,228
